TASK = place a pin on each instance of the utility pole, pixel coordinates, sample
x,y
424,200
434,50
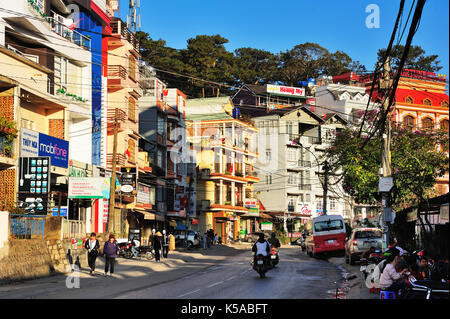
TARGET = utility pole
x,y
112,192
188,204
325,187
385,84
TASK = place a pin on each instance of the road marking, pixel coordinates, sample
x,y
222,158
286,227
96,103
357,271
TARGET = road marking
x,y
230,278
189,293
217,283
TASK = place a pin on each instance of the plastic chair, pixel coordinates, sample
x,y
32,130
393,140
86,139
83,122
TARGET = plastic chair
x,y
384,294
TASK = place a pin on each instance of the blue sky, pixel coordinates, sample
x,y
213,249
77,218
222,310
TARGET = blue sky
x,y
280,25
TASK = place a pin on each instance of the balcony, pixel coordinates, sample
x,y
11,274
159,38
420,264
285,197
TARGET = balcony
x,y
121,119
120,28
302,163
117,76
304,187
120,160
68,34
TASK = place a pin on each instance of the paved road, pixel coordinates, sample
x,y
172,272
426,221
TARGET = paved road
x,y
201,277
296,277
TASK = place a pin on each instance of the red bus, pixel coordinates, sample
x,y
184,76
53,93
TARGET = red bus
x,y
328,235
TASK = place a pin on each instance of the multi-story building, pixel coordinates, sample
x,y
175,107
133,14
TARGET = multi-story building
x,y
153,129
48,67
123,96
291,145
225,153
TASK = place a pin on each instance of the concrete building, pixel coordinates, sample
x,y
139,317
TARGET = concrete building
x,y
225,153
291,145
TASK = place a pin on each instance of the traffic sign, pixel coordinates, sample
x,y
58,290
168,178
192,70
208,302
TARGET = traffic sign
x,y
385,185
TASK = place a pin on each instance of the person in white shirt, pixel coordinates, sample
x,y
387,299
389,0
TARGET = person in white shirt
x,y
261,247
391,279
135,244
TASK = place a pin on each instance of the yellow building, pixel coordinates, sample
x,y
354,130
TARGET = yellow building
x,y
122,104
225,153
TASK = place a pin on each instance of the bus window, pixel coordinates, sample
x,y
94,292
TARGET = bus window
x,y
328,225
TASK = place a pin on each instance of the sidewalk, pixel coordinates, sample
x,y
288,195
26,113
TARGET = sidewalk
x,y
130,274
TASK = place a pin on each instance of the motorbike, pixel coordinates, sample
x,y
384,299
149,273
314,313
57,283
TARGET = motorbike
x,y
125,251
425,289
367,265
259,264
274,258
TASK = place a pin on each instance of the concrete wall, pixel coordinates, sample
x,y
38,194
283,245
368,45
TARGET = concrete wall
x,y
4,229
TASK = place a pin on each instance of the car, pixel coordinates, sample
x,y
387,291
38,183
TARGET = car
x,y
180,236
360,240
253,237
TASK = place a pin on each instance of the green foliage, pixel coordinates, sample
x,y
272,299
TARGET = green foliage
x,y
416,162
416,59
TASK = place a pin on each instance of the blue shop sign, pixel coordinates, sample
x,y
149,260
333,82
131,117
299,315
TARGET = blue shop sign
x,y
55,148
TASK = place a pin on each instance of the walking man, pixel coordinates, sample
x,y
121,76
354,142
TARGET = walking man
x,y
165,244
110,251
92,245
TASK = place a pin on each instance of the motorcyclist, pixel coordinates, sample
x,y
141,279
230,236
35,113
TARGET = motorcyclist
x,y
261,247
273,241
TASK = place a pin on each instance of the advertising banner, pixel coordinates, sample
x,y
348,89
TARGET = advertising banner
x,y
89,187
285,90
266,226
35,144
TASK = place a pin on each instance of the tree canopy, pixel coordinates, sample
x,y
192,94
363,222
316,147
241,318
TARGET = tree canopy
x,y
205,57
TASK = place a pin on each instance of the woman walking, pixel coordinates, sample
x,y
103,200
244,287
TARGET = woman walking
x,y
110,251
92,245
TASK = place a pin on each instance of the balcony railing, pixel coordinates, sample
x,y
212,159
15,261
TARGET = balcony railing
x,y
120,160
73,228
120,27
117,72
71,35
304,187
302,163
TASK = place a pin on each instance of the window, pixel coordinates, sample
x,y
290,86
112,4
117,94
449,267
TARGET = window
x,y
268,154
427,102
328,225
269,179
409,121
368,234
333,204
427,124
444,125
131,109
160,126
292,201
409,100
60,69
444,103
319,203
292,178
307,198
289,130
159,159
132,67
292,154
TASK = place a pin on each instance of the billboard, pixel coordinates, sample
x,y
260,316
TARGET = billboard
x,y
35,144
89,187
285,90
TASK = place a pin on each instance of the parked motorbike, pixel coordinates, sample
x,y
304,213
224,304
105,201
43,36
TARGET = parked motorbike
x,y
259,264
367,265
274,258
426,289
125,250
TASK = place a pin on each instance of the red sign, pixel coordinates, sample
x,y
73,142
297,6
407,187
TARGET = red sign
x,y
195,222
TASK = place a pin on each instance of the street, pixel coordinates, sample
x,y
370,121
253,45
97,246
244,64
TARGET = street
x,y
217,277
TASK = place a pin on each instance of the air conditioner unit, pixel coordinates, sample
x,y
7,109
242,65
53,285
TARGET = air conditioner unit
x,y
206,204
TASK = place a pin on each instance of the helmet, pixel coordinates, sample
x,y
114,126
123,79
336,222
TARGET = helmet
x,y
273,235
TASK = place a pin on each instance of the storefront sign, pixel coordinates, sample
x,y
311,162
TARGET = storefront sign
x,y
285,90
89,187
143,194
38,144
105,210
253,212
266,226
128,180
304,209
411,216
250,203
195,221
63,211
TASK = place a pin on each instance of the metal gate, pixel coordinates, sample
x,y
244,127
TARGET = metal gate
x,y
24,227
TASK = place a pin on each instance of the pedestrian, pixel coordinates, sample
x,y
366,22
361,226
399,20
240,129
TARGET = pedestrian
x,y
110,251
171,242
204,240
215,239
152,235
157,246
165,244
92,245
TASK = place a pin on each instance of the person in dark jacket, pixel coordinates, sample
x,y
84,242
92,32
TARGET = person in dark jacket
x,y
110,251
92,245
157,246
165,244
274,241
